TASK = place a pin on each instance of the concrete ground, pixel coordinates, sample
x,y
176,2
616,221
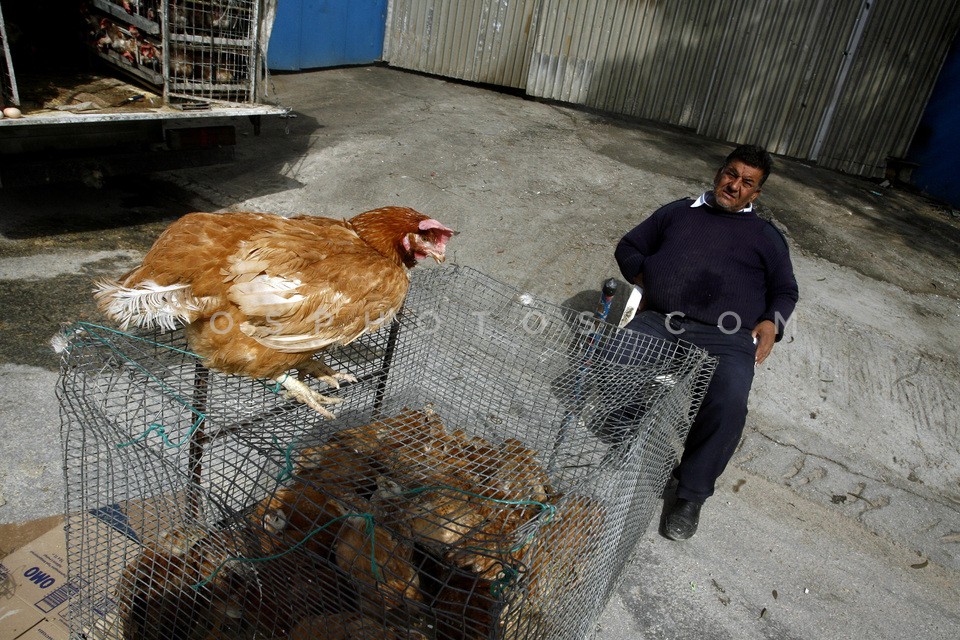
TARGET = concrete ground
x,y
840,514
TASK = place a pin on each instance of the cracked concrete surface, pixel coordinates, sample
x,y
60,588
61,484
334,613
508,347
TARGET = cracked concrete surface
x,y
840,513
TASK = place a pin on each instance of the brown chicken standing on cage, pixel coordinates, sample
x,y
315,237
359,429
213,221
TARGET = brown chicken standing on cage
x,y
261,295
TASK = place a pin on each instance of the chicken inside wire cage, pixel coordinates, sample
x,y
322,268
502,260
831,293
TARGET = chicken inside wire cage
x,y
463,492
362,537
208,47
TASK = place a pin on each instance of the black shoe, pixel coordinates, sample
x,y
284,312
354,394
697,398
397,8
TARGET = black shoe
x,y
682,520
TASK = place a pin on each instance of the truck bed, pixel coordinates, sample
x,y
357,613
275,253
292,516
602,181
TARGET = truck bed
x,y
109,88
91,97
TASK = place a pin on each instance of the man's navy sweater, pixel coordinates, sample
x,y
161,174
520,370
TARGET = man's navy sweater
x,y
711,266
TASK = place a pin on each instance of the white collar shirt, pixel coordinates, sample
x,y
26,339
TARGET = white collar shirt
x,y
705,198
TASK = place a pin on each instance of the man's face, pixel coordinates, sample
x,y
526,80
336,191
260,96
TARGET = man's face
x,y
736,185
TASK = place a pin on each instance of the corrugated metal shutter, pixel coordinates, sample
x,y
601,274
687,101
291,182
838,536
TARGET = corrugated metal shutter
x,y
842,82
485,41
891,78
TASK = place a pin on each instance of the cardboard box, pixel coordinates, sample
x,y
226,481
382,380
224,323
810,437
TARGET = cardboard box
x,y
35,593
35,589
15,535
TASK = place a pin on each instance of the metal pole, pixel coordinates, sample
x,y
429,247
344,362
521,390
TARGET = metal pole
x,y
384,372
198,441
14,95
849,57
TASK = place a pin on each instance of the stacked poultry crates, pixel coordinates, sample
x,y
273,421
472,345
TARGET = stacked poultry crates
x,y
186,49
486,476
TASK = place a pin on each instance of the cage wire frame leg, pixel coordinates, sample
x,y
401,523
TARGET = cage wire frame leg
x,y
198,441
384,372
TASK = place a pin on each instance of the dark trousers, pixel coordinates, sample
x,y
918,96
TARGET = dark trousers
x,y
718,425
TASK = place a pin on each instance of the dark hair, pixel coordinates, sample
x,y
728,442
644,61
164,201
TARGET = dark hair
x,y
754,156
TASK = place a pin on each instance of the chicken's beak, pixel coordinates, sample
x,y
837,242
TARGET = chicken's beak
x,y
439,247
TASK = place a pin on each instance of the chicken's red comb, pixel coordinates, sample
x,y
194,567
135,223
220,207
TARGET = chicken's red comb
x,y
434,224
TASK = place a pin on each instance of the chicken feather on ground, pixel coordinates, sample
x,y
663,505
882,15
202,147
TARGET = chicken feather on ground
x,y
261,295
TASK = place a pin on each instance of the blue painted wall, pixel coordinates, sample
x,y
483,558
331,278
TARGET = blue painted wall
x,y
309,34
936,145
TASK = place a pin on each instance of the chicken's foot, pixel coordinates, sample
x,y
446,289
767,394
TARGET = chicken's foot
x,y
322,371
298,390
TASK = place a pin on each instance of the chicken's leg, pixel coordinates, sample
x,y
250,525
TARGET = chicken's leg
x,y
322,371
298,390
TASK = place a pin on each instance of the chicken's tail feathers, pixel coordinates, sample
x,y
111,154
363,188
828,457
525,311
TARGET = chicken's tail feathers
x,y
147,304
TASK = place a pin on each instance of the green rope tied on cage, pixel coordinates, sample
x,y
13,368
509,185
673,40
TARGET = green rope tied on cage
x,y
369,530
154,427
90,325
507,576
286,473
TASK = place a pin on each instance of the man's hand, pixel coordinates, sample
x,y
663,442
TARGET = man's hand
x,y
764,334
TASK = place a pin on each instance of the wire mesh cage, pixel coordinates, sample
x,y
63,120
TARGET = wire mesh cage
x,y
213,48
485,477
196,50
